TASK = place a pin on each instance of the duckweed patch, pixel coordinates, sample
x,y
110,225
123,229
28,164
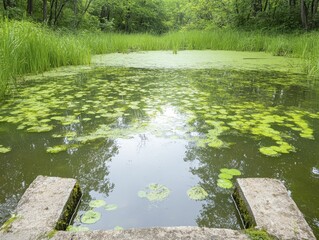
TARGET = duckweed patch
x,y
197,193
97,203
4,149
90,217
110,207
154,192
225,176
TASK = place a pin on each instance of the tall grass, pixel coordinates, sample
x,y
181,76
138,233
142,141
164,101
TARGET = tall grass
x,y
29,48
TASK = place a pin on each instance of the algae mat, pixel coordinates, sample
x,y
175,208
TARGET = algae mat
x,y
200,59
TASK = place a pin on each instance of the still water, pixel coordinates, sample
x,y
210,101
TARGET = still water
x,y
119,129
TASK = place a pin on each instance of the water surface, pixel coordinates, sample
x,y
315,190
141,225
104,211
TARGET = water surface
x,y
118,129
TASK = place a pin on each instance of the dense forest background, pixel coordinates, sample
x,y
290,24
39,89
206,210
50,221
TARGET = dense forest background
x,y
160,16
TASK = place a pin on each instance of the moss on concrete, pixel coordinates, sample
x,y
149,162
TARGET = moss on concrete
x,y
248,219
256,234
51,234
7,225
70,208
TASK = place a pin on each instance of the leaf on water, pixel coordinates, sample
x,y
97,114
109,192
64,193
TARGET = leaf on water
x,y
155,192
42,128
4,149
110,207
231,171
77,229
225,176
97,203
216,143
197,193
90,217
224,183
269,151
57,149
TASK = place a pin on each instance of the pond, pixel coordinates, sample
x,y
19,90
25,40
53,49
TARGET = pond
x,y
158,144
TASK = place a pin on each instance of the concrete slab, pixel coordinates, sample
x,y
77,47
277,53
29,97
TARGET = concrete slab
x,y
168,233
46,205
271,208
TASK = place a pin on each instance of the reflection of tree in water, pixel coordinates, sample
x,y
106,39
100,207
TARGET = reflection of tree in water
x,y
92,170
89,165
218,209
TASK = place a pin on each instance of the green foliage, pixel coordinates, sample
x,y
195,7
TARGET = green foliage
x,y
197,193
97,203
256,234
4,149
110,207
154,192
29,48
225,176
7,225
90,217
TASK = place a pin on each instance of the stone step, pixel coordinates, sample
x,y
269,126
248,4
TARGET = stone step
x,y
47,204
266,204
164,233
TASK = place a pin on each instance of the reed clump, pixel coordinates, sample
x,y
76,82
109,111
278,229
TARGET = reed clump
x,y
31,48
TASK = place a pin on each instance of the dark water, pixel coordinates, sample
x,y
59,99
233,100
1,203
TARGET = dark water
x,y
120,129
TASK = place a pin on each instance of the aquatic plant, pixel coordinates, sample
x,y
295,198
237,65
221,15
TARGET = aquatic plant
x,y
197,193
225,176
4,149
224,183
97,203
154,192
110,207
90,217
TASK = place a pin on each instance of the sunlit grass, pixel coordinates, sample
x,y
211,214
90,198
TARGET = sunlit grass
x,y
30,48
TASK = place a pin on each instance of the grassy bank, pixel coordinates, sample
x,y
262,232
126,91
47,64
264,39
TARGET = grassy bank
x,y
29,48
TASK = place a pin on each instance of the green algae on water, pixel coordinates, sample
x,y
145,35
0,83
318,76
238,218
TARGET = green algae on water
x,y
154,192
224,183
197,193
225,176
90,217
4,149
110,207
97,203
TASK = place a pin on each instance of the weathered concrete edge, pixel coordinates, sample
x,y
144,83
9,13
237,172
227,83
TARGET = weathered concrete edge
x,y
274,197
243,207
47,204
159,233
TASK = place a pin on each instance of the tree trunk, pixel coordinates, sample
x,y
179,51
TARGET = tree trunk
x,y
45,10
303,14
30,7
5,5
51,12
